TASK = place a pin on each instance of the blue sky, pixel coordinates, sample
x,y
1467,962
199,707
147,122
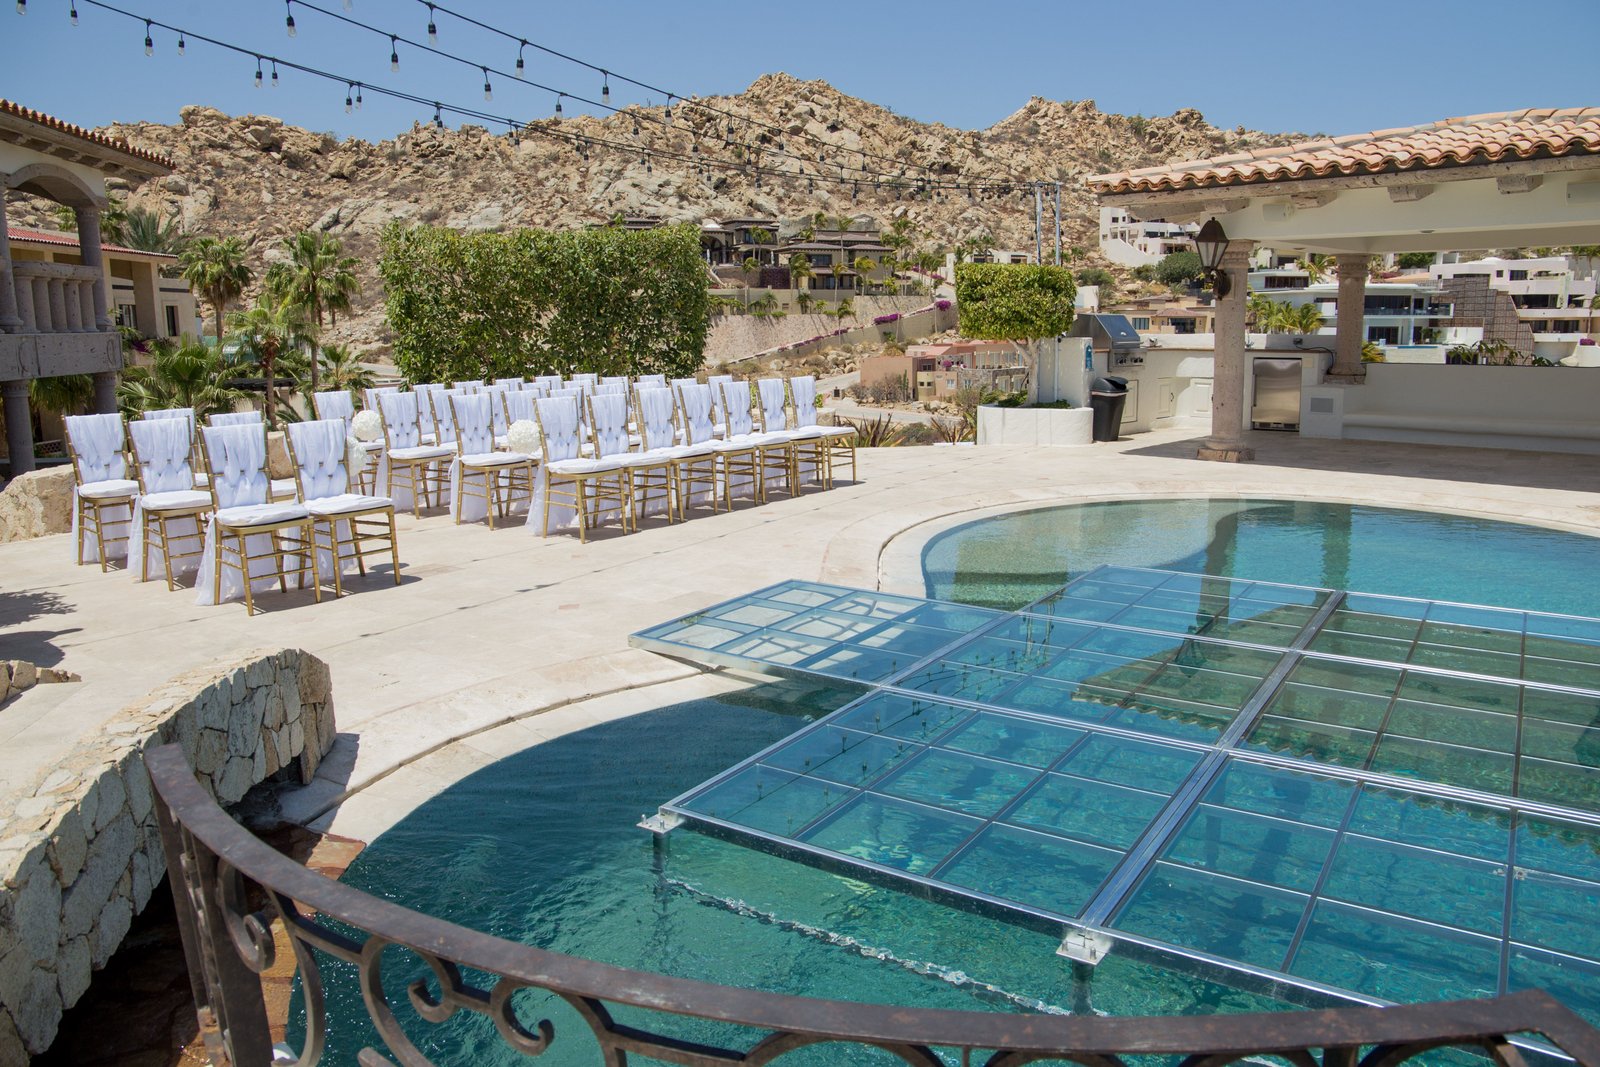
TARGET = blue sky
x,y
1340,68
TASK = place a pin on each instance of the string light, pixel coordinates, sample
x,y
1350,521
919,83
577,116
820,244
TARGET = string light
x,y
258,72
349,105
394,54
521,66
182,44
438,120
558,105
149,45
72,12
605,88
488,90
274,73
433,30
358,96
288,7
22,7
348,5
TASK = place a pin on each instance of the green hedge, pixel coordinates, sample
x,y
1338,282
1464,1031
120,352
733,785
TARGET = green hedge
x,y
1013,302
526,302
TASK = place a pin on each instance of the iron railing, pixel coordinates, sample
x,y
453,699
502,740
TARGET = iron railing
x,y
216,867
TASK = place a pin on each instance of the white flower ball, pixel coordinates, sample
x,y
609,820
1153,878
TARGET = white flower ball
x,y
366,426
355,456
523,437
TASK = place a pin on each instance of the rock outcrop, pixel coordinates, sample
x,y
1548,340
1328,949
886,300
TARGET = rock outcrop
x,y
259,178
36,503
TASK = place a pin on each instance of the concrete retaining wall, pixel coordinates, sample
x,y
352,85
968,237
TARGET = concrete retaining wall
x,y
80,857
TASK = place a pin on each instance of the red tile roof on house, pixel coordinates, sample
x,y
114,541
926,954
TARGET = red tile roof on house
x,y
67,240
1504,136
10,107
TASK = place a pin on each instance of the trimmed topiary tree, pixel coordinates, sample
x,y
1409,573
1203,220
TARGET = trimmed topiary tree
x,y
1015,302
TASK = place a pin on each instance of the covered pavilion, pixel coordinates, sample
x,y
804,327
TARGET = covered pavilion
x,y
1509,179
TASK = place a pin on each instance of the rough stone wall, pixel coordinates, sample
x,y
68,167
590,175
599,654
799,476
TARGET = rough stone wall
x,y
18,676
80,857
36,504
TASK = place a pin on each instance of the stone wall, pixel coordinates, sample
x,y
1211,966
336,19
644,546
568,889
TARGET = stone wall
x,y
17,676
734,337
81,856
36,504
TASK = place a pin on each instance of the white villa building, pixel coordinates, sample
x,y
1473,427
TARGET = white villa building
x,y
1552,305
1128,242
1394,313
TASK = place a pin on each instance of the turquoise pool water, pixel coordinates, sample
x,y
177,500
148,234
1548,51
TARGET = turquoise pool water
x,y
1008,560
543,846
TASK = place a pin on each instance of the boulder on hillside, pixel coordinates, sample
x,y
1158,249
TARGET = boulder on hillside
x,y
36,504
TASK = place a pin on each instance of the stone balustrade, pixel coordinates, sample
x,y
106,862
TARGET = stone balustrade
x,y
55,297
81,856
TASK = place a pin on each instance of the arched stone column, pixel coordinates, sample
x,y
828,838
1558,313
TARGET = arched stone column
x,y
1350,325
89,247
10,320
19,426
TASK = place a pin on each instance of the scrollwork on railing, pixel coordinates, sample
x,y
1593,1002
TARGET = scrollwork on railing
x,y
216,866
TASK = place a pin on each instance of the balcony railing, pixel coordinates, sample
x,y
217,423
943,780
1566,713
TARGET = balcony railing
x,y
55,297
215,866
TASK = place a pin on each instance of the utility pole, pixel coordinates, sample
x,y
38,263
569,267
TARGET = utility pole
x,y
1058,224
1038,223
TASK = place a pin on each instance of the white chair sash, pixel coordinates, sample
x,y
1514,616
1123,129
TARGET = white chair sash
x,y
469,387
511,383
237,456
736,409
769,393
162,450
655,418
608,412
519,406
235,418
694,400
497,405
322,471
548,382
97,443
559,439
615,379
659,380
804,389
336,404
369,397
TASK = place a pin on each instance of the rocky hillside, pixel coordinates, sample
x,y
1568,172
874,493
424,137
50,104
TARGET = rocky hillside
x,y
261,179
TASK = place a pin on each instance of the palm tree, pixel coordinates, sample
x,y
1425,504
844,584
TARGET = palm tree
x,y
317,279
274,327
864,266
180,375
751,265
150,232
803,298
113,221
69,394
1258,310
800,269
342,369
1285,317
1316,267
846,309
216,268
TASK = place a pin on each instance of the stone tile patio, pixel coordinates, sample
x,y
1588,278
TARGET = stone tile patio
x,y
494,639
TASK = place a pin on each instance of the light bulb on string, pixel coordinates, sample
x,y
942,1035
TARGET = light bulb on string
x,y
358,96
258,72
433,29
349,104
438,120
182,44
149,45
488,90
558,103
521,65
72,12
274,73
349,5
605,88
22,7
668,113
394,55
288,20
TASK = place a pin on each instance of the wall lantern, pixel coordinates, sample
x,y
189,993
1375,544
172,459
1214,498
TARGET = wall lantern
x,y
1212,244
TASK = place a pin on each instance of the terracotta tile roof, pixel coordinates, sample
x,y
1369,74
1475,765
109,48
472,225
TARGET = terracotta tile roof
x,y
67,240
1500,137
10,107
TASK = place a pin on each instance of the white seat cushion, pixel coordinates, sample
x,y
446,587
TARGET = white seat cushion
x,y
419,453
282,489
775,438
201,479
732,444
109,489
175,500
583,466
683,451
429,438
261,514
642,459
808,433
346,503
370,447
495,459
838,431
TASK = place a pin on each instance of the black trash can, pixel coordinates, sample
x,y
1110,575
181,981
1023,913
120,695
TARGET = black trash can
x,y
1106,399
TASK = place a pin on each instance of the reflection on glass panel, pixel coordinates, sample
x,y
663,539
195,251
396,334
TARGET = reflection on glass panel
x,y
1062,700
829,625
893,833
1558,847
1098,812
1313,742
1351,677
1252,847
804,594
1253,924
1361,646
1140,764
853,663
1393,958
1564,784
1471,660
1197,685
948,679
1006,737
912,718
1037,869
1579,708
1438,631
752,613
1422,883
1574,982
1554,911
1161,716
1297,795
1003,655
1466,829
1349,621
1461,692
842,756
1455,726
957,782
1314,703
773,646
768,799
699,634
1470,768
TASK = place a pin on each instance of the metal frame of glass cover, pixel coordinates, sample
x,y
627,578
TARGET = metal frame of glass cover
x,y
1323,796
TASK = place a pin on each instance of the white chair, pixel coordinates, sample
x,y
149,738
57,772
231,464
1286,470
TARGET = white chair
x,y
425,406
102,492
616,379
774,452
235,418
504,477
511,383
437,415
469,387
248,533
657,380
337,404
519,407
167,499
773,412
649,476
841,439
549,383
369,397
346,526
497,408
694,467
585,380
594,487
188,417
405,456
738,467
719,414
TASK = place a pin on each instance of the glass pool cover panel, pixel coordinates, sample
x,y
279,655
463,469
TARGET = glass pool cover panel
x,y
1354,797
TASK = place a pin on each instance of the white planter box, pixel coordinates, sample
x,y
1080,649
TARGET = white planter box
x,y
1068,427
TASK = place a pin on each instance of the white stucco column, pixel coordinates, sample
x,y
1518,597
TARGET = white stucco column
x,y
1350,324
10,321
89,247
1229,361
19,426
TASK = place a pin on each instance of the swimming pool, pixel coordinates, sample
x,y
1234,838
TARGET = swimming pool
x,y
543,846
1007,560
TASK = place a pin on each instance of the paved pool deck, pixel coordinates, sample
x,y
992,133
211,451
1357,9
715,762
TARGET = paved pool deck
x,y
498,640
